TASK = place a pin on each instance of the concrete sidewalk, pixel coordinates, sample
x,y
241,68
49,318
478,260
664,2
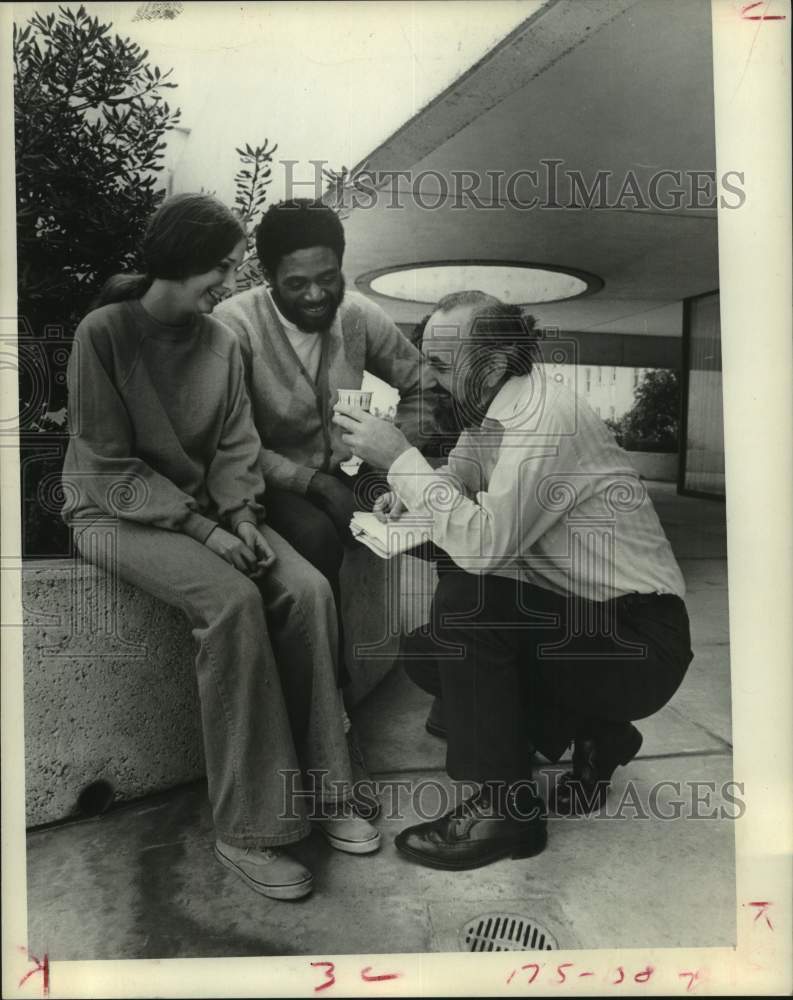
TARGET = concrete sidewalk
x,y
141,881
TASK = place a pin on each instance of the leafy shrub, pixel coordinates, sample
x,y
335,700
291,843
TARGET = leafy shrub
x,y
251,183
653,422
89,122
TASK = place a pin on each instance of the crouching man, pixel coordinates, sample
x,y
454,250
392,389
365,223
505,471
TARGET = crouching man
x,y
562,620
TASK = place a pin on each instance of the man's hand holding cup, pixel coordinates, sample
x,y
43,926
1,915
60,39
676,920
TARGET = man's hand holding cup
x,y
353,399
377,441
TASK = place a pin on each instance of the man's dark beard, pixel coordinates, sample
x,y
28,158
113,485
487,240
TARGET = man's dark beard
x,y
446,414
307,325
450,421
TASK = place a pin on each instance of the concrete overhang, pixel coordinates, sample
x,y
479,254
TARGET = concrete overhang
x,y
610,89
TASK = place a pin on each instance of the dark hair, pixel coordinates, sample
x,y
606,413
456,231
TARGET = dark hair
x,y
417,332
297,224
188,234
120,287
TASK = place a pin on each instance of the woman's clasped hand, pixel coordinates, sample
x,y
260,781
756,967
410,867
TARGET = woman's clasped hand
x,y
248,550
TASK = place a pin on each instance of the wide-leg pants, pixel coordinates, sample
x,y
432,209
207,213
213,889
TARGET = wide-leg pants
x,y
266,669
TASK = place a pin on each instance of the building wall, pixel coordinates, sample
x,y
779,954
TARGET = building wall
x,y
607,388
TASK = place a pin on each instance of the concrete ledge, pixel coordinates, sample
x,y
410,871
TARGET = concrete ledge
x,y
110,689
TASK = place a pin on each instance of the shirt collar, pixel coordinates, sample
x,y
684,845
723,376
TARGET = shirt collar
x,y
519,402
507,401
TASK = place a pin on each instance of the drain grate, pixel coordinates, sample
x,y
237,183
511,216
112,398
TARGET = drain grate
x,y
506,932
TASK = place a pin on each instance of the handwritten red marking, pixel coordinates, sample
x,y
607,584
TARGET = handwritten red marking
x,y
580,974
694,977
378,979
746,16
560,971
43,967
511,976
532,965
622,976
644,975
762,911
329,975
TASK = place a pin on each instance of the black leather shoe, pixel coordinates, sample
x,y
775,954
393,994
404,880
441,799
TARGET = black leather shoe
x,y
475,834
435,724
595,759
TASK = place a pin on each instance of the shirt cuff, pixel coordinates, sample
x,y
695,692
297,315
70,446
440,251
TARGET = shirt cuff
x,y
416,483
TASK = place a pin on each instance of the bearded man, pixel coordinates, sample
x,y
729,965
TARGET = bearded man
x,y
303,338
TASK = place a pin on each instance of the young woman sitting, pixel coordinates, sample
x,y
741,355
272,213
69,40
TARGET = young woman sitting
x,y
163,488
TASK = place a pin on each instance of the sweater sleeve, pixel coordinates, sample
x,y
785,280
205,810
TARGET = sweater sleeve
x,y
282,473
101,469
277,470
234,477
391,357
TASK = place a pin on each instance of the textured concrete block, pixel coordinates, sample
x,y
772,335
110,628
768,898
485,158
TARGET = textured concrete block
x,y
110,689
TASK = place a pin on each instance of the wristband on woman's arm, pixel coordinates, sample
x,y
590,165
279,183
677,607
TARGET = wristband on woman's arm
x,y
246,515
197,526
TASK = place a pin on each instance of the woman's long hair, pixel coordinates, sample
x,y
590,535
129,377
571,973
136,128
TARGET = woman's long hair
x,y
187,235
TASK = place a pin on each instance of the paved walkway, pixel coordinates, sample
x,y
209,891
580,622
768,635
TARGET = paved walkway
x,y
141,881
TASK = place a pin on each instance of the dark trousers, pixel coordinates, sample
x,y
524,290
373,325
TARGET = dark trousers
x,y
310,531
519,666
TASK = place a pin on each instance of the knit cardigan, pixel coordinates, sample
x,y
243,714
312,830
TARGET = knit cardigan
x,y
292,413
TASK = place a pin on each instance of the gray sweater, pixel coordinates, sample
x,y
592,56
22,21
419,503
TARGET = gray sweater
x,y
161,424
292,413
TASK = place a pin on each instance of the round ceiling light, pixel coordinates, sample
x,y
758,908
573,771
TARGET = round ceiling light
x,y
523,284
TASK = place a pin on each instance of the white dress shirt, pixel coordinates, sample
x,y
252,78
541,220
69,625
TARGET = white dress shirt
x,y
541,492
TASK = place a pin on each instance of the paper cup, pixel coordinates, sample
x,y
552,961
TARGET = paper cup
x,y
352,398
363,400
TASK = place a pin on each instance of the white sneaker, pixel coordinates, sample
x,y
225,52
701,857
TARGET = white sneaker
x,y
268,871
349,832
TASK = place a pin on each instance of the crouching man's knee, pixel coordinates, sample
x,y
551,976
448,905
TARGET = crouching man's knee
x,y
457,592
